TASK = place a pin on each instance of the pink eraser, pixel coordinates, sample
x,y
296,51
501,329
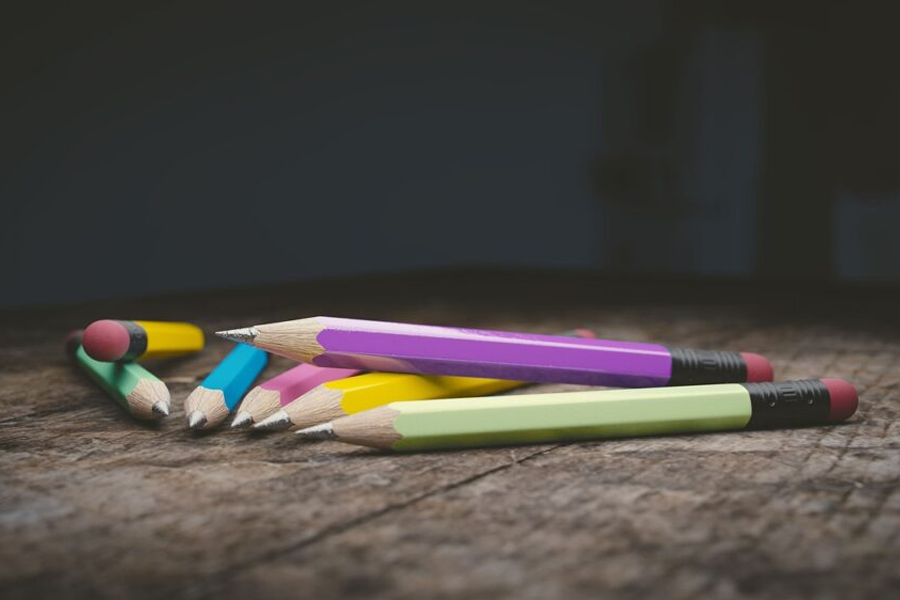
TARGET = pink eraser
x,y
758,367
844,399
106,340
585,333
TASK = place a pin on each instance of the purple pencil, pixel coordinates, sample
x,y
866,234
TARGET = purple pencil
x,y
423,349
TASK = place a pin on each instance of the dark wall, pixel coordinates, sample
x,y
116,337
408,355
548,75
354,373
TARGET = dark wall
x,y
183,145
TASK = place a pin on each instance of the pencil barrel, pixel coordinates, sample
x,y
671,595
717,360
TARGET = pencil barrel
x,y
236,373
377,389
164,339
488,354
569,416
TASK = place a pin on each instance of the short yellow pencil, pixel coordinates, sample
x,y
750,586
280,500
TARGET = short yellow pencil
x,y
343,397
127,341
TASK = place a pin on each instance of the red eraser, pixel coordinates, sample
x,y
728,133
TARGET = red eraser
x,y
844,399
758,367
106,340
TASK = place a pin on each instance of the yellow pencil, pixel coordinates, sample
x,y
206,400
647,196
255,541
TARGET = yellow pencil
x,y
343,397
128,341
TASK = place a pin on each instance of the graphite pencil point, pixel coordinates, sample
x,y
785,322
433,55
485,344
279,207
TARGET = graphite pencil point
x,y
277,422
318,432
196,420
161,409
247,334
242,420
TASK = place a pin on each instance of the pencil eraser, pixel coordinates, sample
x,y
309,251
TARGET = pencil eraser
x,y
106,340
844,399
585,333
758,367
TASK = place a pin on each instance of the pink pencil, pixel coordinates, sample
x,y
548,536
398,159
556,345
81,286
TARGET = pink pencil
x,y
268,397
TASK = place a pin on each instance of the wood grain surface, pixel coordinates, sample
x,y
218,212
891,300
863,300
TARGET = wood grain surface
x,y
96,505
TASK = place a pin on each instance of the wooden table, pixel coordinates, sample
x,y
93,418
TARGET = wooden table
x,y
95,505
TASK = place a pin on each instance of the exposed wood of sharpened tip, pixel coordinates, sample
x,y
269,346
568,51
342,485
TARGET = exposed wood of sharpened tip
x,y
373,428
145,394
260,403
319,405
292,339
210,402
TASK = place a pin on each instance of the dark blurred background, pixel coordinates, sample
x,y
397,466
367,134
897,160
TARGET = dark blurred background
x,y
166,146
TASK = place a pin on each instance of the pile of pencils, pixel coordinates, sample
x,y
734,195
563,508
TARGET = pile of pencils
x,y
405,387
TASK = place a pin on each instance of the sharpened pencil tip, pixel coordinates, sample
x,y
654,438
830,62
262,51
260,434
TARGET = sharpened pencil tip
x,y
242,420
318,432
160,408
245,335
196,420
276,422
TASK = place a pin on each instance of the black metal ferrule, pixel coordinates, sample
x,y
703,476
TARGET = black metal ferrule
x,y
696,367
137,342
787,403
73,341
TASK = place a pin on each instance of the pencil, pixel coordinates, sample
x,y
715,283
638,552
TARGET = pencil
x,y
128,341
217,395
133,387
427,350
337,399
546,418
268,397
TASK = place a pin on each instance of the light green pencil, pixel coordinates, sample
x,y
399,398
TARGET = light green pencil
x,y
541,418
132,386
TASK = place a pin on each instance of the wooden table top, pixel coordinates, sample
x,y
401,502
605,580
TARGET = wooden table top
x,y
96,505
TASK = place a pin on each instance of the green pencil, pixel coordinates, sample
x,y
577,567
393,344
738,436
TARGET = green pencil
x,y
132,386
560,417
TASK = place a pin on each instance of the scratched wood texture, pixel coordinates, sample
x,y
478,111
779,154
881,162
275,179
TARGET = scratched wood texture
x,y
94,505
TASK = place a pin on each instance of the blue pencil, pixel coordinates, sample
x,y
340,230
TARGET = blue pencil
x,y
210,403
